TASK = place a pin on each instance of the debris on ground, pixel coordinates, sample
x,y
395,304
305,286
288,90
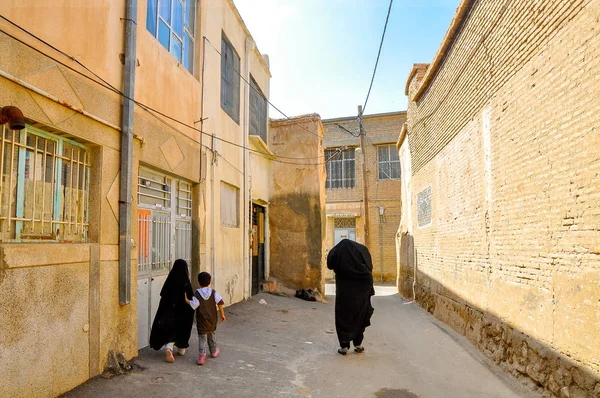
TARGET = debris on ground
x,y
306,294
117,364
262,301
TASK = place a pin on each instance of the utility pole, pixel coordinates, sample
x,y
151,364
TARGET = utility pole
x,y
364,173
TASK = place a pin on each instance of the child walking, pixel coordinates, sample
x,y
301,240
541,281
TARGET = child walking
x,y
205,302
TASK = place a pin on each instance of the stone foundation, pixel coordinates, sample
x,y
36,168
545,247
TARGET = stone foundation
x,y
533,363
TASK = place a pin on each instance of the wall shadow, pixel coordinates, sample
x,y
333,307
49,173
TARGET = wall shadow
x,y
532,362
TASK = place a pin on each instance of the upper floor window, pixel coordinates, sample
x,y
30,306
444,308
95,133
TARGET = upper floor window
x,y
258,111
230,80
388,162
172,22
340,169
44,187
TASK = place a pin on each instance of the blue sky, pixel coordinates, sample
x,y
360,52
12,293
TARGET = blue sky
x,y
322,52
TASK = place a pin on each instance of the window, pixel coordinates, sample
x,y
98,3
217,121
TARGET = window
x,y
340,169
230,209
230,80
388,162
258,111
172,22
424,207
44,187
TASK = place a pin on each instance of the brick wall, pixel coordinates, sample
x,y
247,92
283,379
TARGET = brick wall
x,y
380,129
506,133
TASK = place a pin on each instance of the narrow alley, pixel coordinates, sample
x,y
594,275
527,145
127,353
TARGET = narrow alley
x,y
287,347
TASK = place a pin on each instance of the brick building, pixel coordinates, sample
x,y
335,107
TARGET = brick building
x,y
500,157
344,187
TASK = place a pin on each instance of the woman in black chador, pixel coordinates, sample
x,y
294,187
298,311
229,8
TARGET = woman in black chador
x,y
172,324
353,268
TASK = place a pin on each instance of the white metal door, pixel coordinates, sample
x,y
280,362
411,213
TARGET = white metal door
x,y
143,313
344,233
164,235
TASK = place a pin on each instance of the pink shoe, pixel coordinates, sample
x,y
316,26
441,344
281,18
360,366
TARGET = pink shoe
x,y
201,359
216,354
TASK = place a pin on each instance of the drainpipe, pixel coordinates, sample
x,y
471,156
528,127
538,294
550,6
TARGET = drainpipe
x,y
247,196
125,188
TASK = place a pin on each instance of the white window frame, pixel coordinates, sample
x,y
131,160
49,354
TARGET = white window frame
x,y
391,149
345,164
187,31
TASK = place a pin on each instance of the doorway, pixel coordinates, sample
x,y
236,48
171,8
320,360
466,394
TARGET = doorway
x,y
164,235
257,244
344,228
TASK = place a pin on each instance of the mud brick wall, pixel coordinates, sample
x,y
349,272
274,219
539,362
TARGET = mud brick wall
x,y
506,134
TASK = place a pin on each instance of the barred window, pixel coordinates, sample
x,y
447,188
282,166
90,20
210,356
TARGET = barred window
x,y
258,111
340,169
230,80
173,22
424,207
388,162
44,187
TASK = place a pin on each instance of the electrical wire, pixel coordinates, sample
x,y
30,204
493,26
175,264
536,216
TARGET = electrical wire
x,y
378,54
147,108
253,88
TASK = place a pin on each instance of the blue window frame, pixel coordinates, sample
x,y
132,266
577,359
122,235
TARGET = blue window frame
x,y
172,22
44,187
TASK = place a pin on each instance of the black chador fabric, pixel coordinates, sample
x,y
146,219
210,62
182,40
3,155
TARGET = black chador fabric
x,y
174,317
353,269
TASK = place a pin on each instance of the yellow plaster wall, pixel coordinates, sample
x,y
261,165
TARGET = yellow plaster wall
x,y
44,318
231,271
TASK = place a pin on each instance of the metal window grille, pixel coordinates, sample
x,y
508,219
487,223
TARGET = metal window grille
x,y
424,207
346,222
184,199
161,242
173,23
183,240
388,162
44,187
154,190
340,169
230,80
144,241
258,111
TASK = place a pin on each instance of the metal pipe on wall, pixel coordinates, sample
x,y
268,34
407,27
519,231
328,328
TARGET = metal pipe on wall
x,y
247,196
126,161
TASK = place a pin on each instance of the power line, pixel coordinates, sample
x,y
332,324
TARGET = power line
x,y
108,86
248,83
378,54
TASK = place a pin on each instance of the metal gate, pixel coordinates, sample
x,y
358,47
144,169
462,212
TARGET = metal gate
x,y
164,235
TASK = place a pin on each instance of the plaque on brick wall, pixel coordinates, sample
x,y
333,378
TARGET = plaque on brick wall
x,y
424,207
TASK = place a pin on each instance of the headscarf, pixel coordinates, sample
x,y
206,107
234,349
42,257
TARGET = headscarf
x,y
178,281
350,261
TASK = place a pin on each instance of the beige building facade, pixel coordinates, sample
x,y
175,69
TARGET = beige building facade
x,y
344,187
500,231
67,295
297,220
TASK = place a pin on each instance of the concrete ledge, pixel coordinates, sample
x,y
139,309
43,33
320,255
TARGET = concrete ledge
x,y
20,255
